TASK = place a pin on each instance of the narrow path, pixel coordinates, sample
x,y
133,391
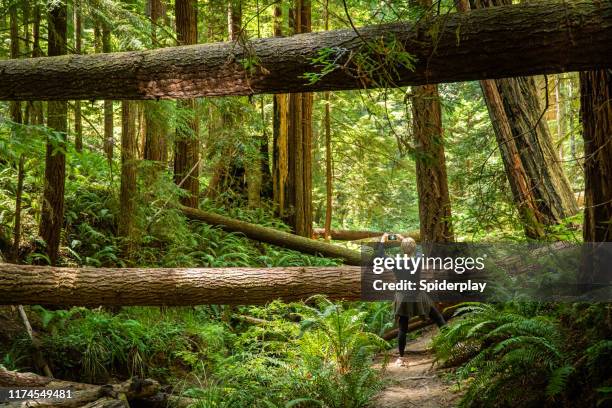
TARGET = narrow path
x,y
421,384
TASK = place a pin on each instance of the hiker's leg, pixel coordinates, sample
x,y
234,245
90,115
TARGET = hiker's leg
x,y
401,334
436,316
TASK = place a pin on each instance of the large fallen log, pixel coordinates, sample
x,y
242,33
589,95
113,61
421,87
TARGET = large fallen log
x,y
355,235
522,39
28,285
109,395
276,237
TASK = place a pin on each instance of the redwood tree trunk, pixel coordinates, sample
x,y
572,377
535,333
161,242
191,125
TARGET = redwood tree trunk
x,y
596,116
298,185
524,39
52,216
36,115
129,161
109,138
14,106
541,190
155,147
78,125
24,284
187,143
432,181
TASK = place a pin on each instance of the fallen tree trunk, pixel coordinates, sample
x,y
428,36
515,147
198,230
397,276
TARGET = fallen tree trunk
x,y
276,237
355,235
81,394
506,41
28,285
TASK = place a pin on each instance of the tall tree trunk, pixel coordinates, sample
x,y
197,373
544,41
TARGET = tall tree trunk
x,y
526,39
15,111
55,163
432,181
541,190
78,125
155,148
129,161
109,126
280,129
14,106
559,114
596,117
18,200
298,189
36,116
328,170
255,168
187,143
328,152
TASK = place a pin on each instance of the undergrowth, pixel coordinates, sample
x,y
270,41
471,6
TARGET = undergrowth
x,y
529,354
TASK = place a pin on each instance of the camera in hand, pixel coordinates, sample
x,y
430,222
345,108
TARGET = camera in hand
x,y
392,237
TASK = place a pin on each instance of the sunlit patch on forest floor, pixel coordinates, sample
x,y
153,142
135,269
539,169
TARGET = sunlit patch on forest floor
x,y
420,384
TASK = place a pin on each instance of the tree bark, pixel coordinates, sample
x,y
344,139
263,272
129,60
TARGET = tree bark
x,y
16,117
52,217
36,114
129,158
109,127
356,235
276,237
505,41
14,106
155,147
297,203
541,191
82,393
432,181
187,143
26,284
78,124
328,170
596,117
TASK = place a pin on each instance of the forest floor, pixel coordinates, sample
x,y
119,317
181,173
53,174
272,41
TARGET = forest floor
x,y
420,384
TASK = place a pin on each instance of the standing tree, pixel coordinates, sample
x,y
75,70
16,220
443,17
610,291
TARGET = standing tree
x,y
541,190
78,31
129,156
279,132
328,152
52,216
293,175
596,116
432,181
155,147
187,143
109,127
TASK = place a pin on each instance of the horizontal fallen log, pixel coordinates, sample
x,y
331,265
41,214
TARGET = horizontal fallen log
x,y
28,285
523,39
109,395
355,235
276,237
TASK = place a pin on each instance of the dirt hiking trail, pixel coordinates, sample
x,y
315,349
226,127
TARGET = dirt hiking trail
x,y
421,384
